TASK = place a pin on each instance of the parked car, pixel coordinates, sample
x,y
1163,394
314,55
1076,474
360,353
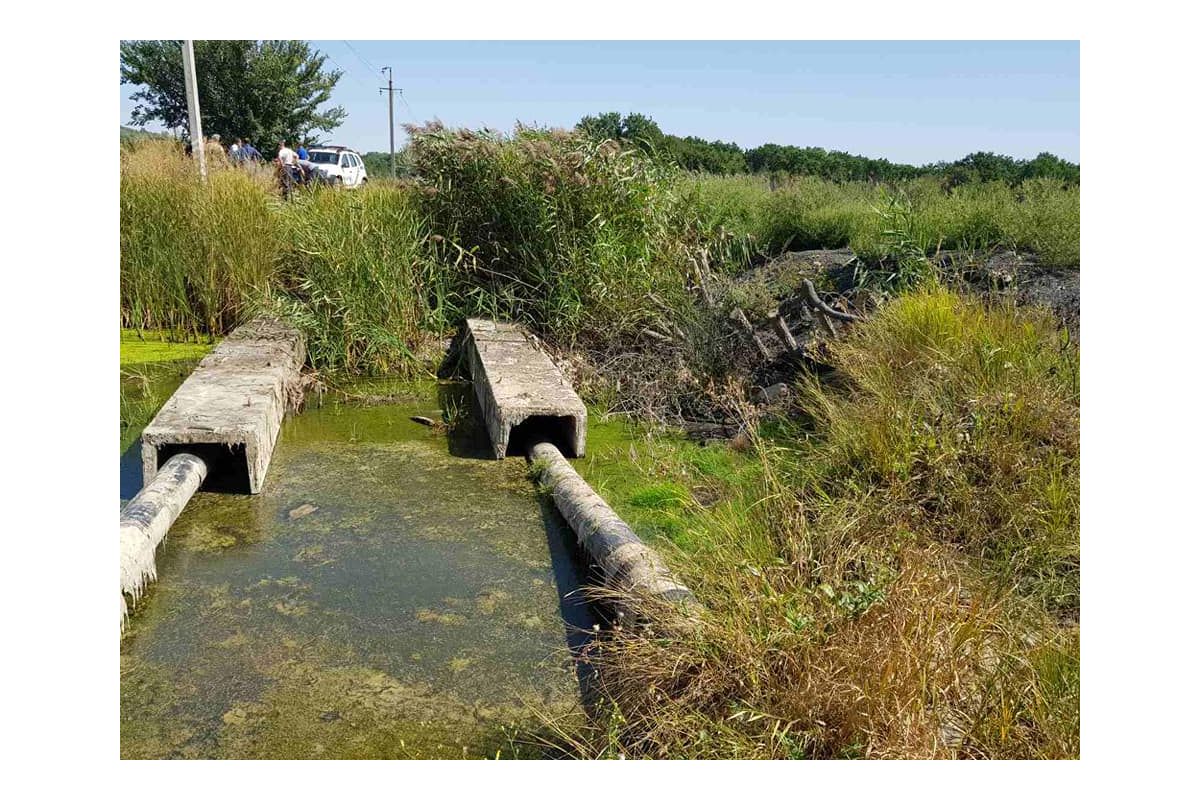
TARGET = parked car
x,y
339,165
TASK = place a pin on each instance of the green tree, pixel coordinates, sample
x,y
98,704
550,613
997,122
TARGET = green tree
x,y
604,126
635,128
262,91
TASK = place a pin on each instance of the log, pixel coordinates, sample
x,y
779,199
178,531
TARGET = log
x,y
824,307
780,326
740,317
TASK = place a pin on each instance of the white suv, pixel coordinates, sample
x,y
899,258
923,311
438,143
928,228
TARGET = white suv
x,y
339,165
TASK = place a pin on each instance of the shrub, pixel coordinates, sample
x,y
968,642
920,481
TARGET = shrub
x,y
550,228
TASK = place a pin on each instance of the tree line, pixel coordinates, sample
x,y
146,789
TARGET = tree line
x,y
726,158
261,91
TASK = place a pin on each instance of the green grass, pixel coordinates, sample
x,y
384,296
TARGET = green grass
x,y
903,559
748,218
658,481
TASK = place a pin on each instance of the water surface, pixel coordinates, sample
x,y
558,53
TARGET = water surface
x,y
390,594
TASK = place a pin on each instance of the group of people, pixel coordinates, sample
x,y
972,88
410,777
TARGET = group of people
x,y
292,165
241,151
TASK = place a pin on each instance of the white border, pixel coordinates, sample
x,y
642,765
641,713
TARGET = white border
x,y
1139,431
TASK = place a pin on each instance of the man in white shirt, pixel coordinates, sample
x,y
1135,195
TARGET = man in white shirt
x,y
287,156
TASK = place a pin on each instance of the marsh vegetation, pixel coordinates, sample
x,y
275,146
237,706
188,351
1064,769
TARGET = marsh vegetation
x,y
889,553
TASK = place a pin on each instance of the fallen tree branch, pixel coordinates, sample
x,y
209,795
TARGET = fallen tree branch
x,y
783,331
816,300
653,334
740,316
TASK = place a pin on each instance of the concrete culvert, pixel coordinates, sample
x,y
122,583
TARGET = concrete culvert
x,y
629,567
148,517
218,430
531,409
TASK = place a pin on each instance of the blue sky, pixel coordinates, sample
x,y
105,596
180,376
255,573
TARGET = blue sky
x,y
912,102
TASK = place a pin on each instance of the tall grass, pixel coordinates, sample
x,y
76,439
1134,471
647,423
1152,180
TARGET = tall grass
x,y
903,581
357,277
549,227
192,254
809,213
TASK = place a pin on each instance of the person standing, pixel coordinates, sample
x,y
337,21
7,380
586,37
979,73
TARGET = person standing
x,y
288,169
301,151
249,152
287,156
235,151
213,151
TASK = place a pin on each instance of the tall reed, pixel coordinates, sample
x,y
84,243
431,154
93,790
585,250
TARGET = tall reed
x,y
192,254
356,275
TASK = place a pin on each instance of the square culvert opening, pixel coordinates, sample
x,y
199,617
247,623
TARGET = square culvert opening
x,y
227,469
558,431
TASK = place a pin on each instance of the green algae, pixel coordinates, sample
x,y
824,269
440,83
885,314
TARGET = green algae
x,y
157,347
412,610
659,482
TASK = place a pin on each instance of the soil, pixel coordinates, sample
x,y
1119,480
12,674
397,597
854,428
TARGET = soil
x,y
777,287
1019,275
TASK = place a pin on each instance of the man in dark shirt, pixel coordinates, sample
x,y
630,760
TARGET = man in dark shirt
x,y
249,152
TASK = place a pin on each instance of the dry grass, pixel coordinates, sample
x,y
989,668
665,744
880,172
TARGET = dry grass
x,y
903,583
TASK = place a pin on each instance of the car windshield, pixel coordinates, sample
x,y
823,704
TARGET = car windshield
x,y
322,157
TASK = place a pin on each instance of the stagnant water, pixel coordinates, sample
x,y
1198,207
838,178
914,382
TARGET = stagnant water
x,y
392,593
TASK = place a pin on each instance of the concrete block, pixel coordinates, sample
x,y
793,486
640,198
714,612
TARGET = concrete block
x,y
230,408
523,395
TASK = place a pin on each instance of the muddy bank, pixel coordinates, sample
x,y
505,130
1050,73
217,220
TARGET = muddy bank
x,y
999,274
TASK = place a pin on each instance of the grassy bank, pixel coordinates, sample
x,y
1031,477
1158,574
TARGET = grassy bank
x,y
1041,216
898,577
890,562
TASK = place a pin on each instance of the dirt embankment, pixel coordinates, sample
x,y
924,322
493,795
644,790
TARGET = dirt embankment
x,y
785,329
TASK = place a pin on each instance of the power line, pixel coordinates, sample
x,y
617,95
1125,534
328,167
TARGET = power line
x,y
411,115
345,71
370,66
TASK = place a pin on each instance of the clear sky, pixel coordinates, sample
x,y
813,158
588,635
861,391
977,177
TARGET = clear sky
x,y
911,102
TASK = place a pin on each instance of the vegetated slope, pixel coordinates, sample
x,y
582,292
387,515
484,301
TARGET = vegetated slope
x,y
899,578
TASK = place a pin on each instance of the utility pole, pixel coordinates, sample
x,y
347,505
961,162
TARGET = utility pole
x,y
193,104
391,117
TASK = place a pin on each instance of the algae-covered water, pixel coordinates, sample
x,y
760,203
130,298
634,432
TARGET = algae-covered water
x,y
391,593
